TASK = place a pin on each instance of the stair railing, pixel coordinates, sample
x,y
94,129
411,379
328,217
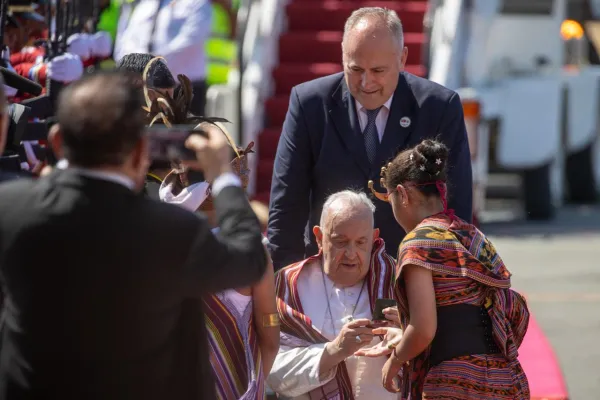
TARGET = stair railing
x,y
446,25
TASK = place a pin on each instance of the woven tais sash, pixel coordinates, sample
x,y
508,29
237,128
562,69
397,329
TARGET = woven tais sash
x,y
297,328
233,350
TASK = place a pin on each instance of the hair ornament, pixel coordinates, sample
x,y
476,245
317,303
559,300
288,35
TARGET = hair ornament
x,y
438,161
175,110
378,195
422,167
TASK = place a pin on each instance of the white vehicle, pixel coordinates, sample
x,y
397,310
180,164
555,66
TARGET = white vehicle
x,y
530,98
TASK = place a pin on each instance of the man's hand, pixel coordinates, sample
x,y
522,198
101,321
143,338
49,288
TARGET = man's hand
x,y
212,152
352,337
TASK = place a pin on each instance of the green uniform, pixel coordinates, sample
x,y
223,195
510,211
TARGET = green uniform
x,y
221,49
109,19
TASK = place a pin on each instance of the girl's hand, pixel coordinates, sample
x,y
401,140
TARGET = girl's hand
x,y
392,337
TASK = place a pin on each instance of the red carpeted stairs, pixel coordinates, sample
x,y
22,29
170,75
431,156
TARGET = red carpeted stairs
x,y
311,48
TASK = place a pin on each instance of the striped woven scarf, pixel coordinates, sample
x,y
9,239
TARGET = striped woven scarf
x,y
295,323
233,350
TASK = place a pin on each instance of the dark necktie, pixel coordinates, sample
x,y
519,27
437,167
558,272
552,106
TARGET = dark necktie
x,y
371,135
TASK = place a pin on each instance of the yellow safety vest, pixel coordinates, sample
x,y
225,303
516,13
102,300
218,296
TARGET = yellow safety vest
x,y
221,51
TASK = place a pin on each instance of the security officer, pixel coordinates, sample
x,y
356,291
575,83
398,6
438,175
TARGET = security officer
x,y
221,47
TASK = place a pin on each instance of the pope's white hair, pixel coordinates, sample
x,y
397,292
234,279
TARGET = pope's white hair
x,y
346,200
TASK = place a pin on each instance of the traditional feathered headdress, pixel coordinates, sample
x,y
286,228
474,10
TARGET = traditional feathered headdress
x,y
167,110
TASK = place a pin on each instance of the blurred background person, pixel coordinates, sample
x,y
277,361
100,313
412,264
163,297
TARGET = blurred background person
x,y
174,29
221,46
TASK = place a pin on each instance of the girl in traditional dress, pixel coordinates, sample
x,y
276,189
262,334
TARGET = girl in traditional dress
x,y
242,324
461,322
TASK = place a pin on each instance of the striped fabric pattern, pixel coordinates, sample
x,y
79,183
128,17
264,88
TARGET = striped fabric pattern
x,y
466,270
297,328
234,350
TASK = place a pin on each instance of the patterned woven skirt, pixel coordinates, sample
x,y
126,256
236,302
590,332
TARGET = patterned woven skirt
x,y
477,377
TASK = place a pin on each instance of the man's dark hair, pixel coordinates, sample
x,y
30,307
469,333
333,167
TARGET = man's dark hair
x,y
159,76
101,119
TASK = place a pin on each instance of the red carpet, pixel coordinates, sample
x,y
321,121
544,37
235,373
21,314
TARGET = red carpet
x,y
541,366
311,48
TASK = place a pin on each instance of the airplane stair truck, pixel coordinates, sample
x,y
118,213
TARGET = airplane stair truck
x,y
531,103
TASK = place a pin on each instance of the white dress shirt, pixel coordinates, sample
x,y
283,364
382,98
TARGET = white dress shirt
x,y
182,27
295,371
380,121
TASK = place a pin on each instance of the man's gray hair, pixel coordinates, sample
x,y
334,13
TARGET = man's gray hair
x,y
389,17
349,198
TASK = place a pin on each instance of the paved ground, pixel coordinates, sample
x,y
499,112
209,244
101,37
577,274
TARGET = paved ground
x,y
557,264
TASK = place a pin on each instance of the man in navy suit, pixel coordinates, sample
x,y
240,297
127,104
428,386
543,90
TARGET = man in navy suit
x,y
341,129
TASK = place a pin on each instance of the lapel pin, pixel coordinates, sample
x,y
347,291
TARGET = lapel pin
x,y
405,122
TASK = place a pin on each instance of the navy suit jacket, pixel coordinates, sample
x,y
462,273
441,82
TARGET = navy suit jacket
x,y
321,151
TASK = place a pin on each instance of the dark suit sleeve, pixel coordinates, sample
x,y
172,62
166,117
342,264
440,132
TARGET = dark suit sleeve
x,y
236,256
460,176
290,189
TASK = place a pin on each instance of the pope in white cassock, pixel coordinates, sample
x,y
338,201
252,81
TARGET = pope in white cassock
x,y
325,304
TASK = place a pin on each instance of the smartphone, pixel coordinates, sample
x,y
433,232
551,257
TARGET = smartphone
x,y
168,143
380,305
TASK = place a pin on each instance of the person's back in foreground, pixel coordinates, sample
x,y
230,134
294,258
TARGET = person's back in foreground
x,y
100,291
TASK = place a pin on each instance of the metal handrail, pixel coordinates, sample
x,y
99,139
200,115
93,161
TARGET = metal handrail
x,y
432,5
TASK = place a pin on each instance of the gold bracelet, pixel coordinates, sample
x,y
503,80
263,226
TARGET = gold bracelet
x,y
271,320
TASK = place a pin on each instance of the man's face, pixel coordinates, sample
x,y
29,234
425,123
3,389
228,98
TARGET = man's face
x,y
346,240
372,62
